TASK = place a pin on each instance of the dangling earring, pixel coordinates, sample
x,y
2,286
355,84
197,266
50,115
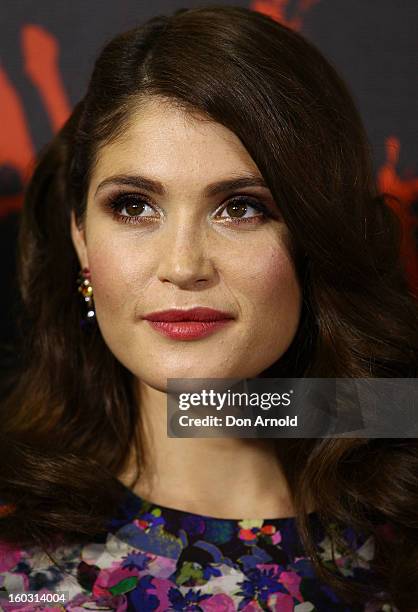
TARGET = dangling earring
x,y
86,290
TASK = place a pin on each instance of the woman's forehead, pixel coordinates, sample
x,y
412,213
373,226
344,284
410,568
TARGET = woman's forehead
x,y
170,145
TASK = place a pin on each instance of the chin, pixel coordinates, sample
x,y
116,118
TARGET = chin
x,y
158,380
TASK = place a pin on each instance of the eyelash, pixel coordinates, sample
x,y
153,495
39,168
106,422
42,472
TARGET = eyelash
x,y
116,203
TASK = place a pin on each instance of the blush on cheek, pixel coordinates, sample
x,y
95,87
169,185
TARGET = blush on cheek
x,y
109,281
280,276
272,271
276,296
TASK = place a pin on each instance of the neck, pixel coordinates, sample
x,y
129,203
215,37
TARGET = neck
x,y
222,477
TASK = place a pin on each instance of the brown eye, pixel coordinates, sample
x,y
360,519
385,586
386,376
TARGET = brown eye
x,y
236,209
132,208
132,204
243,208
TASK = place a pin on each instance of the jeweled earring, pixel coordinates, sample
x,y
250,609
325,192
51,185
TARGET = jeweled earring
x,y
86,290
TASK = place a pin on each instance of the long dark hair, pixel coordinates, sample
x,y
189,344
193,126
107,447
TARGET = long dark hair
x,y
71,414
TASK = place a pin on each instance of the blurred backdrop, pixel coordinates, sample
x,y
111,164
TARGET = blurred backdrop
x,y
47,51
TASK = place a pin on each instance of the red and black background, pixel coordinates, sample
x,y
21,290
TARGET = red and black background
x,y
47,51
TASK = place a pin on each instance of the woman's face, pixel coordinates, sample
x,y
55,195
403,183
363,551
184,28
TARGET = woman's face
x,y
180,237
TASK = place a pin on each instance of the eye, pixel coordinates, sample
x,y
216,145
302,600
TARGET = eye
x,y
239,209
135,208
130,206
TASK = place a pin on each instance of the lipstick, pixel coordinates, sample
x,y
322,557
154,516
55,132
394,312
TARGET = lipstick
x,y
188,324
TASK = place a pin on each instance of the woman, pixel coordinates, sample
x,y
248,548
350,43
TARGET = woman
x,y
216,161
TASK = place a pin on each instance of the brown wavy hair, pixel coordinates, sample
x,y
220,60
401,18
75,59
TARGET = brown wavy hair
x,y
70,416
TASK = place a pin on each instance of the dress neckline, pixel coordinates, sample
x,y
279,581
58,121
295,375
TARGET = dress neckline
x,y
136,503
171,532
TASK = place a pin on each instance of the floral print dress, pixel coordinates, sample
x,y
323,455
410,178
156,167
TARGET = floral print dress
x,y
155,558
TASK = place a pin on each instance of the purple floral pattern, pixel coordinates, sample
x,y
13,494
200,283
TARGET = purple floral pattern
x,y
155,558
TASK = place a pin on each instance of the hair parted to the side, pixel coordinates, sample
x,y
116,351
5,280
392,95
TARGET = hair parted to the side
x,y
71,415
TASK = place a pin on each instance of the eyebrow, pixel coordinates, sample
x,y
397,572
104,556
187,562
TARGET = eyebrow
x,y
213,189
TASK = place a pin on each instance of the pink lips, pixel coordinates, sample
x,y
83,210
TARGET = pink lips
x,y
188,324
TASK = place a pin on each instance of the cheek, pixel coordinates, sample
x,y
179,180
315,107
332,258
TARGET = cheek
x,y
281,284
270,279
112,276
271,294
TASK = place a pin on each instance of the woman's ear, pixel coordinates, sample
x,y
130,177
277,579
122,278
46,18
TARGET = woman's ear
x,y
79,241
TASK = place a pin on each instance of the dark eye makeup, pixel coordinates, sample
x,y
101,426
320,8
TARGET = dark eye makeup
x,y
234,206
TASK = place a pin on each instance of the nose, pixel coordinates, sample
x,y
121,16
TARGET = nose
x,y
184,258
